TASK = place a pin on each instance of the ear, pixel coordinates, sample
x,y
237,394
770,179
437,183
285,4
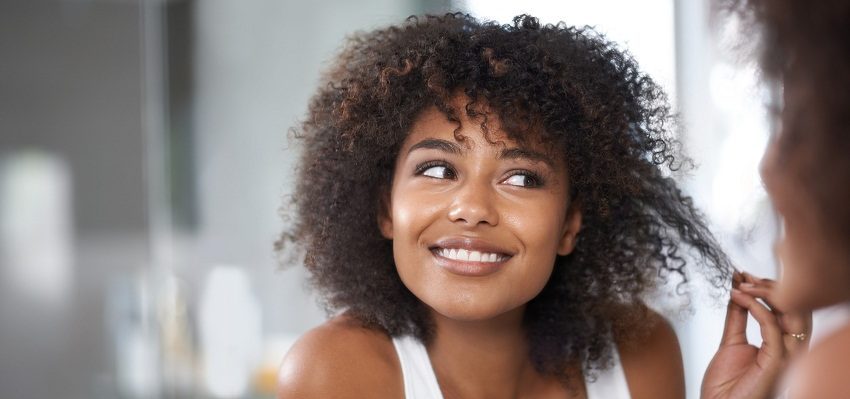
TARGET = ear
x,y
385,219
572,225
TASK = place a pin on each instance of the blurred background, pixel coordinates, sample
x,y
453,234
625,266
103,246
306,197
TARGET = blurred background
x,y
144,159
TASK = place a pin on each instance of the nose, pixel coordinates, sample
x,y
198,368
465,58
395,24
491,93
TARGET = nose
x,y
773,167
767,164
473,205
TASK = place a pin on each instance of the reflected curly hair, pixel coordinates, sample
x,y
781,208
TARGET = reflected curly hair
x,y
805,47
567,86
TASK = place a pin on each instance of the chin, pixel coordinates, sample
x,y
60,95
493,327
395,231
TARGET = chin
x,y
465,314
468,309
800,295
814,285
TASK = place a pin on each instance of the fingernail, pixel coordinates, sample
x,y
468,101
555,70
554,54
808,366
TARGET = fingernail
x,y
747,285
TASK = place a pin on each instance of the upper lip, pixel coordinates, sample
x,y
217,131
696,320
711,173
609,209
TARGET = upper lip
x,y
470,244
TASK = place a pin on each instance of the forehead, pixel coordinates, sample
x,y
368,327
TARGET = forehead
x,y
483,131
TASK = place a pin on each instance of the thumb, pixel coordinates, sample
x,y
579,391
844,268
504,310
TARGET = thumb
x,y
735,327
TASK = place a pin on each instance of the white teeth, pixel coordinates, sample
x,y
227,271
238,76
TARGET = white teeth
x,y
469,256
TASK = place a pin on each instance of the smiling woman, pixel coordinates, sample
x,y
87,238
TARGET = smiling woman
x,y
484,206
457,204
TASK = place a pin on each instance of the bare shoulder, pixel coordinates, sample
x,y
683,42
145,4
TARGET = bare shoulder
x,y
652,361
341,359
823,373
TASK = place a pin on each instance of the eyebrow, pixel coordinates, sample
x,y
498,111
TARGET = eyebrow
x,y
508,153
436,144
527,154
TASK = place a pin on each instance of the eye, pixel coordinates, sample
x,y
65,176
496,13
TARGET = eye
x,y
439,172
523,179
436,170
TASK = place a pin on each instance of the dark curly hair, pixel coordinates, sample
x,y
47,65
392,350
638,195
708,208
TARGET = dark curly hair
x,y
805,48
567,86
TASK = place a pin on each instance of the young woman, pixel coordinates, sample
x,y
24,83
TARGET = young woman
x,y
806,171
483,206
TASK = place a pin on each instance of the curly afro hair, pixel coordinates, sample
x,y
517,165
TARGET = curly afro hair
x,y
569,85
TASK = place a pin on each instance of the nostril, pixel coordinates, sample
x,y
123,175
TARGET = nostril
x,y
473,214
473,205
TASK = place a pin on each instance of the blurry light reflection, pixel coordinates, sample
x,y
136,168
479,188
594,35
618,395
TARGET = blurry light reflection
x,y
230,332
737,191
36,227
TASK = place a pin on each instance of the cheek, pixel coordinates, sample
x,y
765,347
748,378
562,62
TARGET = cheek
x,y
411,213
539,226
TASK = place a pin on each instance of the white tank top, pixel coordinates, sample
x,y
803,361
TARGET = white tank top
x,y
420,382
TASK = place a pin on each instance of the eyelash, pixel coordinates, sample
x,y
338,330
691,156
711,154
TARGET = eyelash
x,y
424,166
536,179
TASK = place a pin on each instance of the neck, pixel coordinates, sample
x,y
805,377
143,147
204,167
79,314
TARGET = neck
x,y
482,359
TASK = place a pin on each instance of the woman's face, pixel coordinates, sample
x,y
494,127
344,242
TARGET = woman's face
x,y
814,268
475,225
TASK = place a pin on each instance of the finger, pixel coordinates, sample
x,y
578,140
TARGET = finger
x,y
767,282
737,278
772,341
789,323
755,280
794,322
793,345
763,293
735,327
756,290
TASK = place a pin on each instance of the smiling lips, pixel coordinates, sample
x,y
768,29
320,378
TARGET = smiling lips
x,y
469,256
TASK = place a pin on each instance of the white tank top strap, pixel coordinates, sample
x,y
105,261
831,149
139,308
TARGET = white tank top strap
x,y
420,382
610,383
